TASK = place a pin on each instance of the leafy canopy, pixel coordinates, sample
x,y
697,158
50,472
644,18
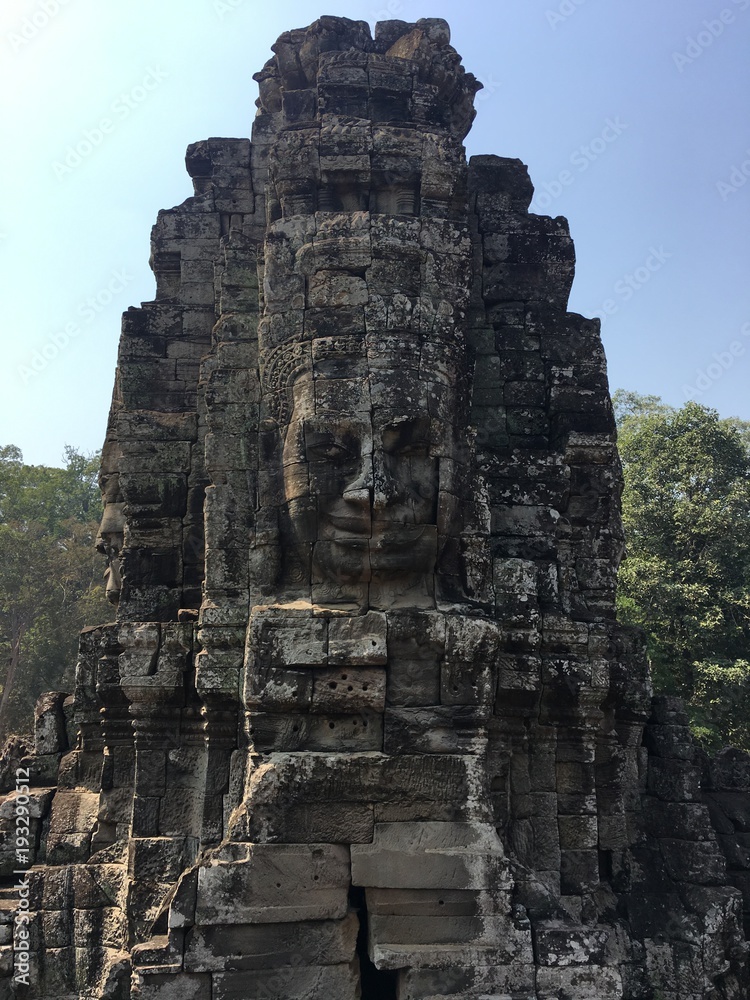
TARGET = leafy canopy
x,y
50,576
686,578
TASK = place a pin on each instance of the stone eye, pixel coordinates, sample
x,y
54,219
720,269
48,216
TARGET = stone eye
x,y
406,448
411,449
329,451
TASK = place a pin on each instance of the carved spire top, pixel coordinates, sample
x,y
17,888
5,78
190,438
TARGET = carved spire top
x,y
408,74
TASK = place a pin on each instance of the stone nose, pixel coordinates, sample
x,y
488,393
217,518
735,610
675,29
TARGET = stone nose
x,y
359,489
387,486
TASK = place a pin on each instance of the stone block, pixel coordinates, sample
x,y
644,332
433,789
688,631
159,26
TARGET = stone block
x,y
579,871
377,778
313,823
410,931
439,730
468,671
730,770
272,946
347,689
57,926
578,832
156,859
329,733
593,983
673,781
428,902
431,856
687,820
358,641
337,982
294,642
560,945
38,804
50,735
275,883
734,807
463,972
181,986
276,689
413,683
698,862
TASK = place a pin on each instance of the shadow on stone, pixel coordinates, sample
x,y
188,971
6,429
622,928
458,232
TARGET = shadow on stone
x,y
377,984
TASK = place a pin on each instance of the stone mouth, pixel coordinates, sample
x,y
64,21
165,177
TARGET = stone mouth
x,y
350,525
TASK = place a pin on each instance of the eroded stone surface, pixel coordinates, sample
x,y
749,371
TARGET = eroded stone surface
x,y
366,725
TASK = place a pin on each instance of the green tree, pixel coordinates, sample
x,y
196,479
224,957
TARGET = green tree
x,y
50,576
686,578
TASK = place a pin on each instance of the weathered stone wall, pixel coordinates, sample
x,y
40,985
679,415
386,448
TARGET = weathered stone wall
x,y
366,725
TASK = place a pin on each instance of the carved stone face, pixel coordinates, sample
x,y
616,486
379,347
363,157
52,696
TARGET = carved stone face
x,y
109,542
361,486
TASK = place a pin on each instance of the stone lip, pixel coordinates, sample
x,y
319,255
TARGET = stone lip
x,y
408,74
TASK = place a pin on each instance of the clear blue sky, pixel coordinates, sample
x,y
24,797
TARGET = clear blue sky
x,y
630,116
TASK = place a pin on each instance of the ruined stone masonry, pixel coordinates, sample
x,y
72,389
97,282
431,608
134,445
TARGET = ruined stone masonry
x,y
366,725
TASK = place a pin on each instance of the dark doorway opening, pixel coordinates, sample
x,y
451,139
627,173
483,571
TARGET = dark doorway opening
x,y
377,984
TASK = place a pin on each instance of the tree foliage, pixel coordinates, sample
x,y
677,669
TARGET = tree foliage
x,y
686,578
50,576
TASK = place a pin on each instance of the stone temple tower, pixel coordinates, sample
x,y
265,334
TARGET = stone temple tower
x,y
366,725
